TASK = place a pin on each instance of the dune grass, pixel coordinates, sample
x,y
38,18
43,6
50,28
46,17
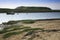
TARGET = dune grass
x,y
9,31
13,28
28,21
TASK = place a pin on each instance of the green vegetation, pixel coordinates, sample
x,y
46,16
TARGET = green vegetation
x,y
27,9
31,9
10,22
14,30
19,29
10,34
5,10
28,21
23,21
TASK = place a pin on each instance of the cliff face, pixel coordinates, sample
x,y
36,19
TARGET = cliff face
x,y
28,30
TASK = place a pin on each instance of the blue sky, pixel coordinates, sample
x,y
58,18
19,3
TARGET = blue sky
x,y
54,4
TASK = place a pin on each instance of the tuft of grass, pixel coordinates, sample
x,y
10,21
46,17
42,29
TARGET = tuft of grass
x,y
9,31
30,31
33,29
10,34
28,21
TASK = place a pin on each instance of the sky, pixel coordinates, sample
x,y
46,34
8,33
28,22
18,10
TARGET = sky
x,y
53,4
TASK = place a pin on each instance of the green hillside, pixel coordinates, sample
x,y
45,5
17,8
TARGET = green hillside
x,y
27,9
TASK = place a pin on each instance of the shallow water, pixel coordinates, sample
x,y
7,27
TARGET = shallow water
x,y
4,17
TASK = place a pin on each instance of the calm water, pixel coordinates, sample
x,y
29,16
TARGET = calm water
x,y
4,17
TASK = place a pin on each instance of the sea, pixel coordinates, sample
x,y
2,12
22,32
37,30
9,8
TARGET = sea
x,y
24,16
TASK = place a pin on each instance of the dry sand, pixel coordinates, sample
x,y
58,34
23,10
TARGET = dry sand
x,y
47,25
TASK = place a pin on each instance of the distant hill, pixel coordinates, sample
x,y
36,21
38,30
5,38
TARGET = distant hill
x,y
27,9
31,9
5,10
